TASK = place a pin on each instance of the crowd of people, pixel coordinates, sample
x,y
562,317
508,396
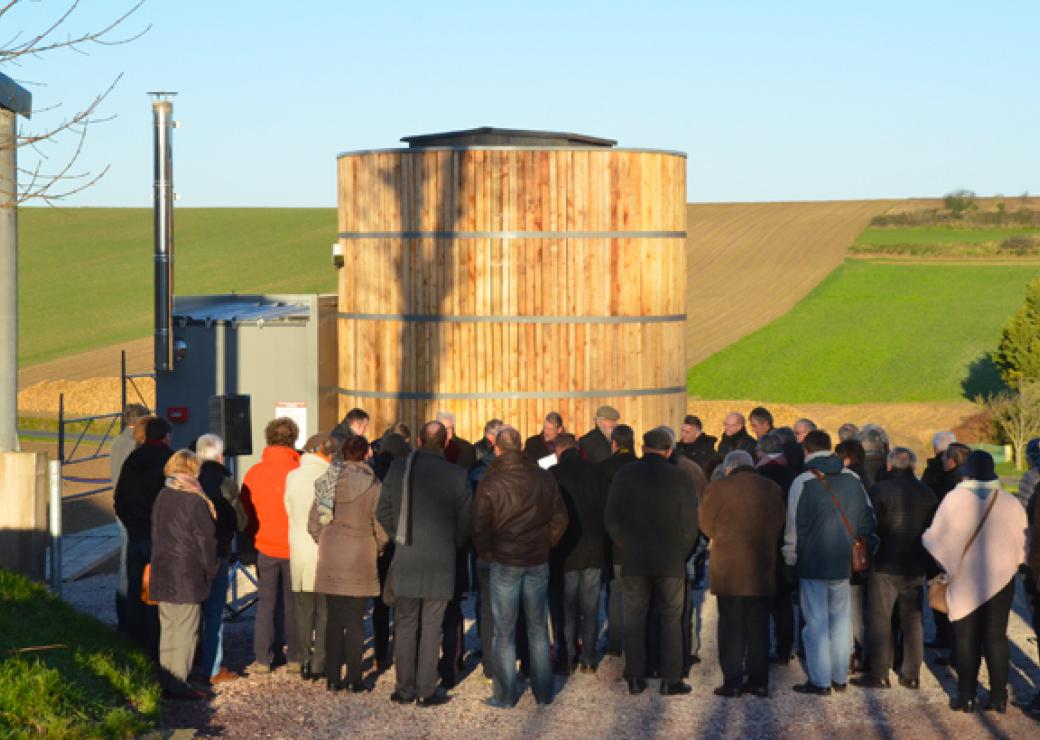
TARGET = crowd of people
x,y
795,533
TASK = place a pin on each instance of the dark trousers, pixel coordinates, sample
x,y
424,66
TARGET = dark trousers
x,y
311,619
984,633
275,614
451,647
884,593
781,609
638,592
344,635
142,619
744,640
615,611
380,611
581,613
417,643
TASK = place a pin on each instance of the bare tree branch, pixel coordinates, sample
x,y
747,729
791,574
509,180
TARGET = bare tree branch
x,y
38,181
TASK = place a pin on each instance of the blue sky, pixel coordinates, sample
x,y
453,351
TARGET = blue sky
x,y
771,100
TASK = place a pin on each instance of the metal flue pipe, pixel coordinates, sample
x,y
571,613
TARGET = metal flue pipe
x,y
162,115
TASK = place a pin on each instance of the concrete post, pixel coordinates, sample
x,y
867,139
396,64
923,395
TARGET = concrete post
x,y
14,101
8,282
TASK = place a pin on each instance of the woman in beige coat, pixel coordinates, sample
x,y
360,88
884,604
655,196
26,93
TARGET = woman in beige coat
x,y
348,546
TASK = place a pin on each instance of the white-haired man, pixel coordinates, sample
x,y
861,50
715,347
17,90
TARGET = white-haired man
x,y
458,451
934,468
220,487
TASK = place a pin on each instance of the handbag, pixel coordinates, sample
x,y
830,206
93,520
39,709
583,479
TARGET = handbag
x,y
389,593
938,586
146,577
860,551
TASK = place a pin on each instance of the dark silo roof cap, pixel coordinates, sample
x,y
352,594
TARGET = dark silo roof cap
x,y
491,136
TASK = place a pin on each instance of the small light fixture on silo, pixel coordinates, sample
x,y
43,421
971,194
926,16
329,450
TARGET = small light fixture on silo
x,y
180,350
337,255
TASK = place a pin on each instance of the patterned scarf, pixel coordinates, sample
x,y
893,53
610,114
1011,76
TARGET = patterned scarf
x,y
190,484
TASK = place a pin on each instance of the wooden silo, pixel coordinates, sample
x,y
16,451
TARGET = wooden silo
x,y
499,273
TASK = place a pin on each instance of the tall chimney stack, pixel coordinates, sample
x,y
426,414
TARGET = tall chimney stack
x,y
162,115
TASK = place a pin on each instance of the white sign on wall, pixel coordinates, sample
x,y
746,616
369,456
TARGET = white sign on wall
x,y
297,411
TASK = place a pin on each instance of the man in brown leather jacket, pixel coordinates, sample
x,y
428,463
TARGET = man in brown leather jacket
x,y
518,517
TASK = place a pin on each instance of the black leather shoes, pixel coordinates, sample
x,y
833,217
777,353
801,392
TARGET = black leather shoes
x,y
727,692
636,685
910,683
398,698
839,687
869,682
585,668
434,700
963,705
998,705
333,685
761,692
675,689
357,687
811,689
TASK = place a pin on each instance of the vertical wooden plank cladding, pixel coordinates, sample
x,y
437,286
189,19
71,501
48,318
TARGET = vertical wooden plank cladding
x,y
552,190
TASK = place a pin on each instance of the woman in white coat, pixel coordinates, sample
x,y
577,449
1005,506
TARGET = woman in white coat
x,y
981,574
303,553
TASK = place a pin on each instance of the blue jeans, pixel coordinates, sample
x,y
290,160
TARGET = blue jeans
x,y
827,635
581,604
211,652
512,587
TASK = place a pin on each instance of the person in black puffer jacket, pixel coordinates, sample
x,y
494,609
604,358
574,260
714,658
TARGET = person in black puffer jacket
x,y
140,481
903,507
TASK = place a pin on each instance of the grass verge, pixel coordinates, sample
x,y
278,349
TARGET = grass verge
x,y
65,674
875,332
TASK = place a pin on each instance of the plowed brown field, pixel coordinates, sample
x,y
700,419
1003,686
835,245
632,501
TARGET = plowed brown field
x,y
748,263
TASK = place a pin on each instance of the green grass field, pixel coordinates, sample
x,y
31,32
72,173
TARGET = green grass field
x,y
67,675
874,236
948,241
86,273
875,331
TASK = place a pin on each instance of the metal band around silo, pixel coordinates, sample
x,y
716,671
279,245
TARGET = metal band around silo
x,y
452,319
508,396
512,235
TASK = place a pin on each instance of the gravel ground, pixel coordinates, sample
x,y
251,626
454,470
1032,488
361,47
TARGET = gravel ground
x,y
281,706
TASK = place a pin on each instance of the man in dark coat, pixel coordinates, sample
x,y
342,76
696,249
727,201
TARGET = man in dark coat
x,y
354,424
761,421
544,444
220,487
694,443
581,551
934,468
140,481
743,514
953,458
595,445
903,507
485,448
1031,577
773,465
518,517
425,507
457,450
652,516
622,445
735,436
818,545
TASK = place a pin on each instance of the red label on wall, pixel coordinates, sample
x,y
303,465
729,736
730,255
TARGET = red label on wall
x,y
177,414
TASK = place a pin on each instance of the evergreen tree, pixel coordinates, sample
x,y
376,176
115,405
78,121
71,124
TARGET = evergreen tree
x,y
1018,354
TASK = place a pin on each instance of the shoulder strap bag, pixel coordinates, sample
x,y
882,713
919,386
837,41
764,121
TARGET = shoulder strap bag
x,y
938,586
860,551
